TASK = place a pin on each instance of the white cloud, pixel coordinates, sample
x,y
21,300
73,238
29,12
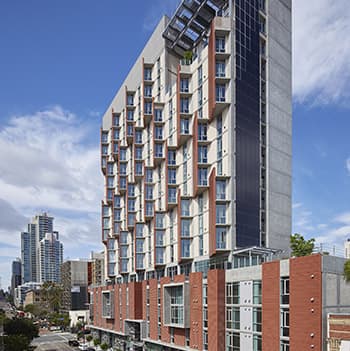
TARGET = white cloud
x,y
321,51
51,162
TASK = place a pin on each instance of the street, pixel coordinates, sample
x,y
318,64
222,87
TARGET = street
x,y
53,342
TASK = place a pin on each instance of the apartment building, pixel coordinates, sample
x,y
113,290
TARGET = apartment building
x,y
50,256
196,154
30,239
97,268
75,282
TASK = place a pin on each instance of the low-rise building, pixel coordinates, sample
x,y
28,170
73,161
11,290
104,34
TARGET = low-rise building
x,y
97,268
21,290
277,305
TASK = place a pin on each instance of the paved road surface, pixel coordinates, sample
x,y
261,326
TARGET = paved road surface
x,y
53,342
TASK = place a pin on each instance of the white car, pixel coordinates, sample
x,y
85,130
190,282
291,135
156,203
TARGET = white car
x,y
83,347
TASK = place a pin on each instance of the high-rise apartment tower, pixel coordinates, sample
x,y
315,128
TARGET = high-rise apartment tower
x,y
196,154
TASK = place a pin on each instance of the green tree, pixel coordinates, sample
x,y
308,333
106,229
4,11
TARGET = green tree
x,y
347,271
300,246
97,342
104,346
52,294
89,338
20,326
16,343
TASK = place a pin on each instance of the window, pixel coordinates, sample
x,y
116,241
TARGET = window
x,y
185,227
117,215
200,96
138,153
159,255
232,293
149,175
185,247
131,190
123,238
105,211
220,69
202,132
202,176
159,237
184,85
138,137
284,291
104,149
232,317
104,137
158,115
184,105
203,154
185,208
130,130
176,305
158,133
184,126
139,261
139,230
284,322
159,220
107,305
131,205
220,189
262,5
257,319
284,345
220,44
221,238
130,116
200,75
220,92
122,155
172,195
148,91
257,343
122,169
116,120
171,176
220,214
149,209
159,150
148,73
232,341
148,108
257,290
149,192
172,157
130,99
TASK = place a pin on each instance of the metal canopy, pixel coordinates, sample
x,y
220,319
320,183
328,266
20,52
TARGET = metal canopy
x,y
190,23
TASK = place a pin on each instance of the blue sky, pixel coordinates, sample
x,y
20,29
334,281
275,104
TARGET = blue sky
x,y
62,61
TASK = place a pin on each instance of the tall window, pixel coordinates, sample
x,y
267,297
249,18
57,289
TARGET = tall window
x,y
171,176
257,319
200,223
220,44
176,305
284,319
202,132
203,154
220,189
184,105
221,214
285,291
220,93
220,69
185,207
184,85
221,238
257,291
203,176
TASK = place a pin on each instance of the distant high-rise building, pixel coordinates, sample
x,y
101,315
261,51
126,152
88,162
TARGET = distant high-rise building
x,y
347,248
16,278
50,258
74,279
97,268
39,226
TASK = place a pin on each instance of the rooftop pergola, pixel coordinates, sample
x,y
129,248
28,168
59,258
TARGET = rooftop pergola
x,y
190,24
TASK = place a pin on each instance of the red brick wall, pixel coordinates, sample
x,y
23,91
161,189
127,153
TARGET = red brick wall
x,y
116,308
144,299
179,336
305,303
271,306
123,297
196,310
216,310
153,305
165,330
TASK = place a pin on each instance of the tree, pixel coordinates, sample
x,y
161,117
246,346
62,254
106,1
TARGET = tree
x,y
52,293
97,342
20,326
347,271
300,246
16,343
104,346
89,338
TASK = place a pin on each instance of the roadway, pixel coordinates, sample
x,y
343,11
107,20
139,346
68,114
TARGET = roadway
x,y
53,342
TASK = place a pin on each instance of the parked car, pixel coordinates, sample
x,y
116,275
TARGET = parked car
x,y
90,349
73,342
83,347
